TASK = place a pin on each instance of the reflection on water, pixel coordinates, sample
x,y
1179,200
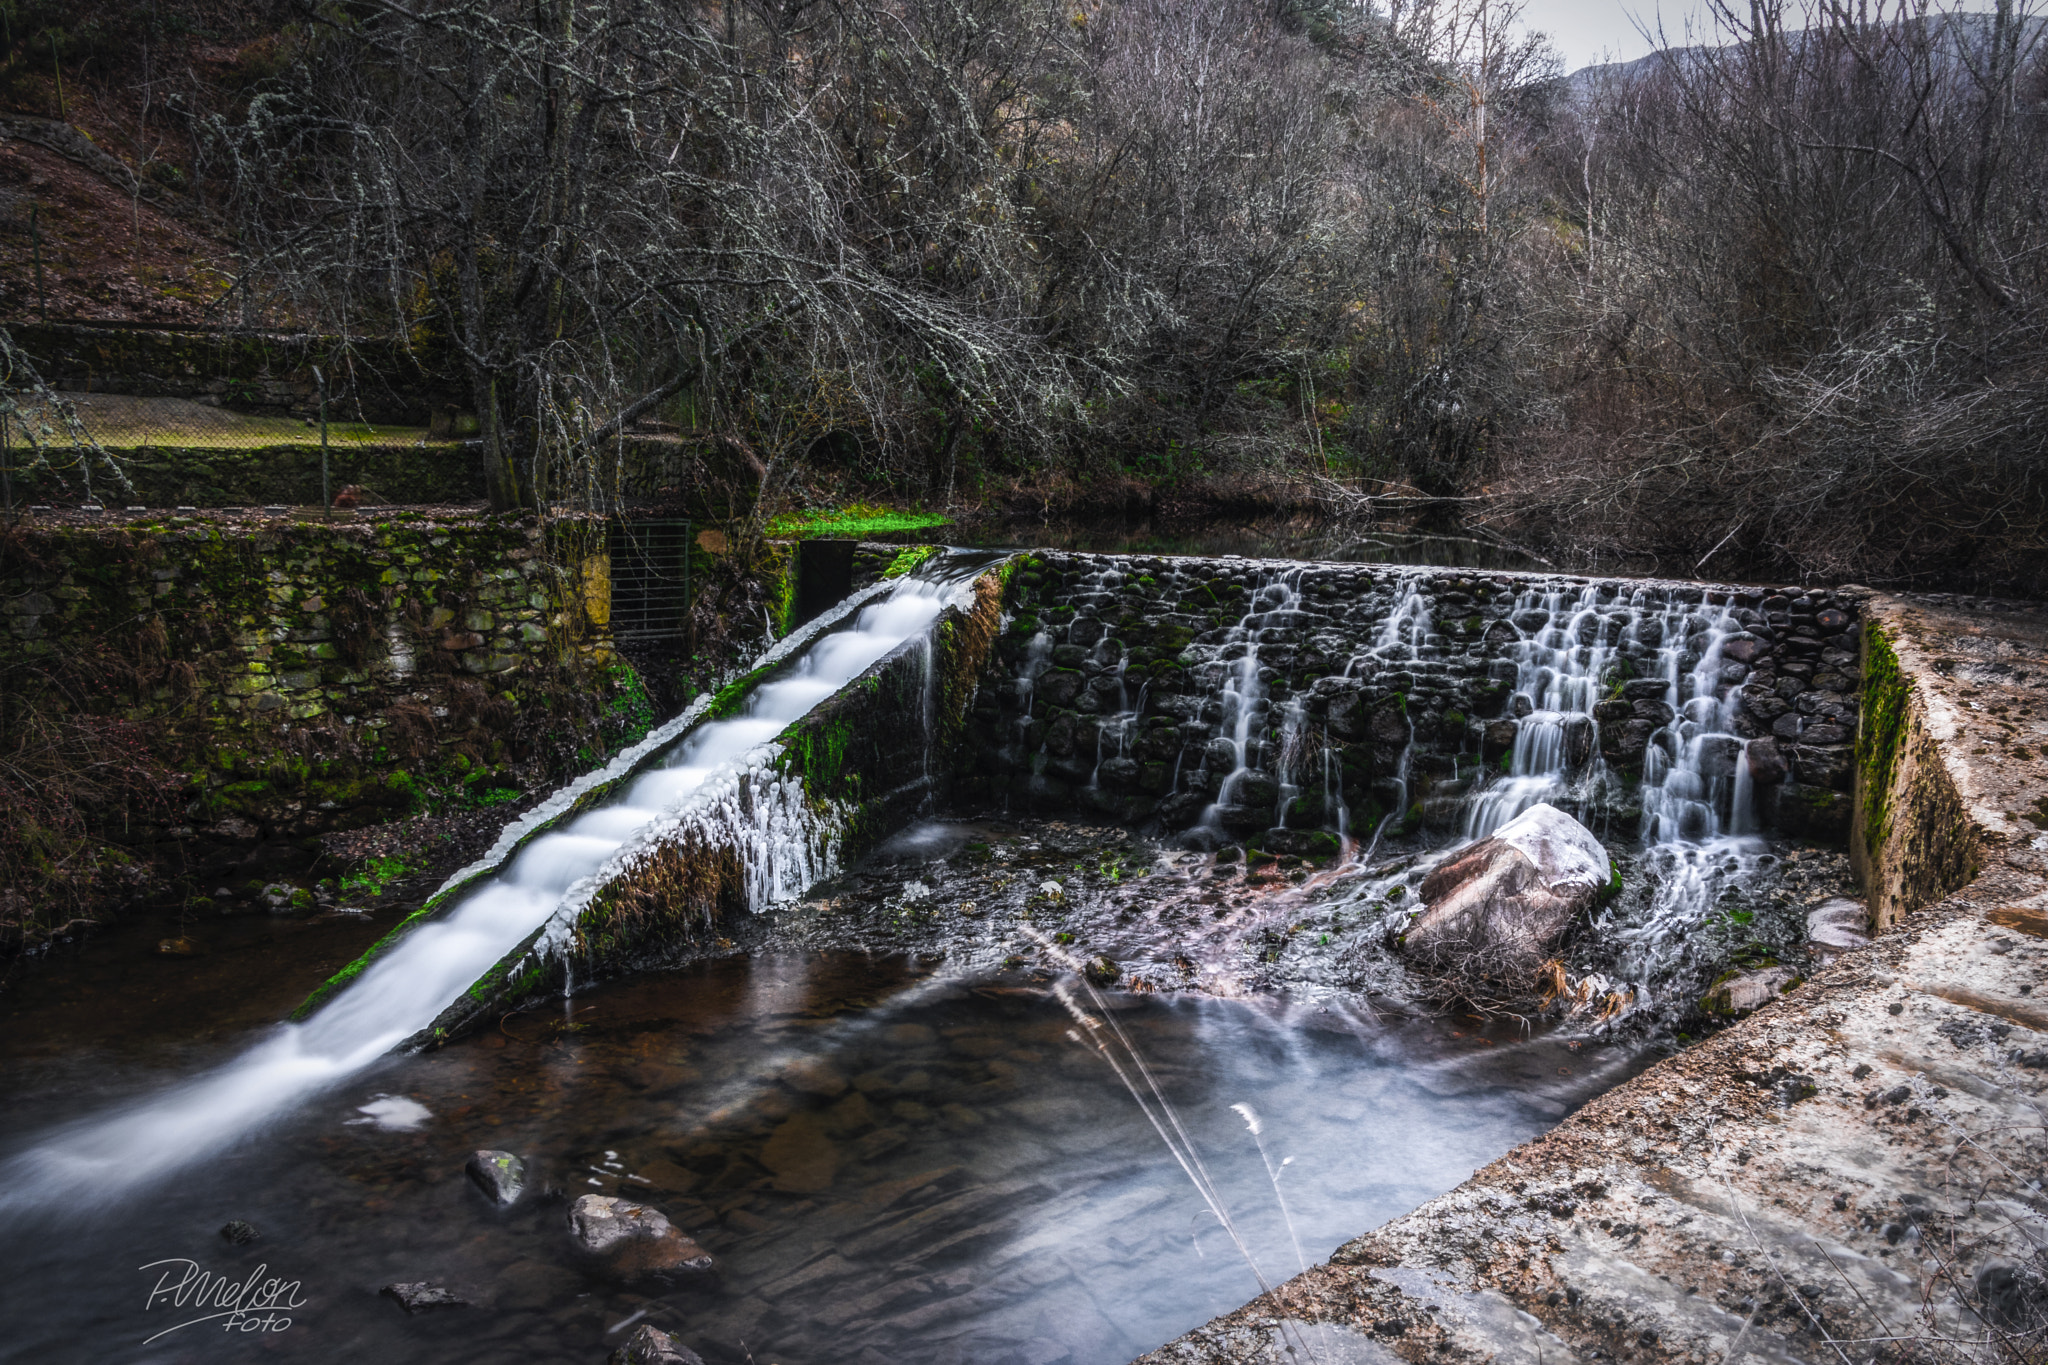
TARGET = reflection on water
x,y
888,1167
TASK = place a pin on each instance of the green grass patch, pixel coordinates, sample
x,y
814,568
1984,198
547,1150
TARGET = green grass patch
x,y
858,522
374,876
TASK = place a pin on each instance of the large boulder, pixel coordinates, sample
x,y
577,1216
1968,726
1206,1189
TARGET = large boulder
x,y
1496,910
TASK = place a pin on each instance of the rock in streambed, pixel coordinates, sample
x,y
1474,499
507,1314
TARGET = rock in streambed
x,y
652,1346
500,1175
1497,909
633,1239
423,1297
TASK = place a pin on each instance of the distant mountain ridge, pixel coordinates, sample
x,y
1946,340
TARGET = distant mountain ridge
x,y
1971,29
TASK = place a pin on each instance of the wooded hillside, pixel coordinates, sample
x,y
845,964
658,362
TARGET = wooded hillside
x,y
1770,303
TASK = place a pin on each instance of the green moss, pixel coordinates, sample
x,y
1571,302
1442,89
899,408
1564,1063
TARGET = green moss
x,y
1881,734
730,697
373,876
909,560
632,705
857,522
499,980
817,753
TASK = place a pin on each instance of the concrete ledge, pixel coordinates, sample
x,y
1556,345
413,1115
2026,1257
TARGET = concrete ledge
x,y
847,774
1857,1164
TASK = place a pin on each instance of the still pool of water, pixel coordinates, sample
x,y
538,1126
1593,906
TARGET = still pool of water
x,y
889,1165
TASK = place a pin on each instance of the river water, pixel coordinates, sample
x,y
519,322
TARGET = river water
x,y
894,1156
889,1165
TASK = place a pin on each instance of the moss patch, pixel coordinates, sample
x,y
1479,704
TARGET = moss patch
x,y
909,560
1881,735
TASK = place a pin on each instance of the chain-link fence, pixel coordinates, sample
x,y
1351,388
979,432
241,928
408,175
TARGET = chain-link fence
x,y
126,422
229,440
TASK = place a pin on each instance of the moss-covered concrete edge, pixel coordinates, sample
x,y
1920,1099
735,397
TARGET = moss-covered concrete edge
x,y
730,697
673,901
1912,840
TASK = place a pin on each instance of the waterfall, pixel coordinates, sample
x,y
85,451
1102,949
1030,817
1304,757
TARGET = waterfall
x,y
1242,699
1651,664
1403,638
715,779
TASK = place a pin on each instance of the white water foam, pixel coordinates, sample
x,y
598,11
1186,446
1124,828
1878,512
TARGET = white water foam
x,y
402,992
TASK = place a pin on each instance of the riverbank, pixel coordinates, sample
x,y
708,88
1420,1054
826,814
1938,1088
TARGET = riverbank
x,y
1853,1164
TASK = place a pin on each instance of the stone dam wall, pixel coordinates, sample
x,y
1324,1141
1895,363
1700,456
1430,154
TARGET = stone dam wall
x,y
1388,690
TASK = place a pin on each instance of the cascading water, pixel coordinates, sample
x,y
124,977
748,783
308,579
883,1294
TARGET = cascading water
x,y
1559,677
1655,665
1652,665
402,991
1243,697
1403,641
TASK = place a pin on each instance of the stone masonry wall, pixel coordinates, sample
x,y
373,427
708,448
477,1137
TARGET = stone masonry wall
x,y
312,677
1379,720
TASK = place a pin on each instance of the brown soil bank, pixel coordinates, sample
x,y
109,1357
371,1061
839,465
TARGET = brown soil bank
x,y
1851,1173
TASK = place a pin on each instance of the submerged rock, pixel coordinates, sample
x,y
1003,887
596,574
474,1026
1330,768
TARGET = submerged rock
x,y
239,1233
1102,970
1837,926
500,1175
1741,992
1302,843
422,1297
1496,909
652,1346
633,1238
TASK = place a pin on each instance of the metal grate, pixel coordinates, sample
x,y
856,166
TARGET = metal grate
x,y
650,567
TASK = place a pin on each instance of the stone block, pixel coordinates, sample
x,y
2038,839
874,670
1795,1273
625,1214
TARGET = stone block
x,y
1830,766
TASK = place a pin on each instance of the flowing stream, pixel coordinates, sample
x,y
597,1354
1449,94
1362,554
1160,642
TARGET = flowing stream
x,y
894,1162
102,1159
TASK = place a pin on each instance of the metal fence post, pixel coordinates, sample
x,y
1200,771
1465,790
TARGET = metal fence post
x,y
35,236
326,494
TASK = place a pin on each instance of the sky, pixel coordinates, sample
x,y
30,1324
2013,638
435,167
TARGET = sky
x,y
1589,31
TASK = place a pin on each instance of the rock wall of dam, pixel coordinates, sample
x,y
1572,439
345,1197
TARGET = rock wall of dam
x,y
1290,703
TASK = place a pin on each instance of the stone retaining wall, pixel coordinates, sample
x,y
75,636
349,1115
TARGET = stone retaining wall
x,y
288,475
1091,634
312,676
271,373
